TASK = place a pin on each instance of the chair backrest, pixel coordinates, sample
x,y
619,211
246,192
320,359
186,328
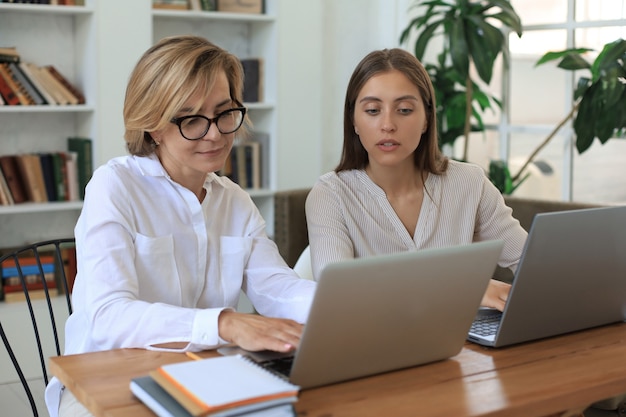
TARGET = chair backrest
x,y
43,270
290,228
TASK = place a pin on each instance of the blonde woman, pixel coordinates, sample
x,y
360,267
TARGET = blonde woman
x,y
164,245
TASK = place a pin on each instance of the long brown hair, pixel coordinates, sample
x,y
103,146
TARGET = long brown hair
x,y
428,156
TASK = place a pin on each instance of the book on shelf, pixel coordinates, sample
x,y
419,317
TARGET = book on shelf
x,y
224,386
32,73
68,257
238,6
8,164
71,169
263,140
14,297
74,92
253,79
35,277
170,4
47,169
6,199
49,84
26,83
208,5
18,90
249,164
9,54
32,175
83,148
7,93
245,164
59,173
31,275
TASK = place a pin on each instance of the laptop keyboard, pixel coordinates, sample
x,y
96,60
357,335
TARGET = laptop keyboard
x,y
486,325
280,366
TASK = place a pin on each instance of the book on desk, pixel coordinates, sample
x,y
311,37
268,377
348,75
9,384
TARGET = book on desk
x,y
221,386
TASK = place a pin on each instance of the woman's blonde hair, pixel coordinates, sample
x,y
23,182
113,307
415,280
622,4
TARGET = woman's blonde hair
x,y
166,76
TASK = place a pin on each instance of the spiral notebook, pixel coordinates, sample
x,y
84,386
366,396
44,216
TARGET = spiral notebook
x,y
222,386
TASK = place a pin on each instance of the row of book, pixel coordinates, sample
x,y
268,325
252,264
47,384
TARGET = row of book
x,y
245,165
231,6
34,277
24,83
50,2
219,386
46,176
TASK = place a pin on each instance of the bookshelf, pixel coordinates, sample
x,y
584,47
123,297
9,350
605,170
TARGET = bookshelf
x,y
247,36
63,36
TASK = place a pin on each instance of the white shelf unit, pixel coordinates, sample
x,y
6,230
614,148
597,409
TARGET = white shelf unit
x,y
247,36
65,37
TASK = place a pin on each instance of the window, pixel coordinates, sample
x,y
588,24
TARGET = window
x,y
538,98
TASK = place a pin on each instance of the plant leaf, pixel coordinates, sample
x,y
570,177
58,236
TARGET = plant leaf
x,y
458,46
485,43
584,120
573,62
551,56
609,56
425,36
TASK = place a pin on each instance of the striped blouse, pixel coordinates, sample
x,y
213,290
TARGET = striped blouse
x,y
349,216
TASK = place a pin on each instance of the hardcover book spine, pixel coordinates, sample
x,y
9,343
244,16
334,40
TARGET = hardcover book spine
x,y
71,88
7,92
8,78
82,146
8,164
23,79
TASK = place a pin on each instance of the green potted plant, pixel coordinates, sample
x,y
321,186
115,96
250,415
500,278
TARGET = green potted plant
x,y
599,107
474,35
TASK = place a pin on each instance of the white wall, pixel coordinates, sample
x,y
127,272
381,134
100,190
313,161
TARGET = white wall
x,y
320,43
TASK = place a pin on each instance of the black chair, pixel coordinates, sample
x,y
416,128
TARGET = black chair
x,y
31,274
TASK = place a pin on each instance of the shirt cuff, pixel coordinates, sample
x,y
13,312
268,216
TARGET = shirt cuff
x,y
205,329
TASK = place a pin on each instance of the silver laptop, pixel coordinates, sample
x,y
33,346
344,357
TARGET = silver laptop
x,y
382,313
572,276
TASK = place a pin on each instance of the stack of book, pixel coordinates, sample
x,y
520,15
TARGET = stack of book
x,y
25,84
46,176
220,386
33,279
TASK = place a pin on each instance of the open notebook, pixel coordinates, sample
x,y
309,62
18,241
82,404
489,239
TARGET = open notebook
x,y
382,313
572,276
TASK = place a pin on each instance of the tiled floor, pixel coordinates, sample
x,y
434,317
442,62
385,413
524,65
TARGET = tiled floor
x,y
14,317
14,401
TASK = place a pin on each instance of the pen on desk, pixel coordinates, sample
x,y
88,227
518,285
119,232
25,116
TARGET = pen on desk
x,y
193,356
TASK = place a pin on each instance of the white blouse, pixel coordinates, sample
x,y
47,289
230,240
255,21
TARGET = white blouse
x,y
349,216
156,266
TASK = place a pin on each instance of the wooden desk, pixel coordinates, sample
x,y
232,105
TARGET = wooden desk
x,y
556,376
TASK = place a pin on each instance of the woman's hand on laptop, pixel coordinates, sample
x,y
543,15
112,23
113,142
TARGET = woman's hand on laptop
x,y
496,294
254,332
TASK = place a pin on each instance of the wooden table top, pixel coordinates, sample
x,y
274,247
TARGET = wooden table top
x,y
556,376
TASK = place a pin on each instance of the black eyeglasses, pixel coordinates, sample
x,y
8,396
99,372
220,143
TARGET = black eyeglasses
x,y
196,126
